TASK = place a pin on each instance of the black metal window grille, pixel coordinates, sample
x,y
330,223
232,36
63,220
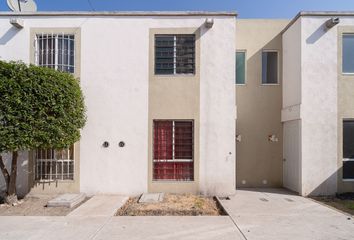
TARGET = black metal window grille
x,y
174,54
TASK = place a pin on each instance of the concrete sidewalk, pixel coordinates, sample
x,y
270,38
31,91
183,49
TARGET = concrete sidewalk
x,y
122,228
278,214
263,214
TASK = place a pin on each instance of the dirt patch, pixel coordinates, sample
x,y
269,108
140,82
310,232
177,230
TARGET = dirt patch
x,y
35,206
173,205
345,204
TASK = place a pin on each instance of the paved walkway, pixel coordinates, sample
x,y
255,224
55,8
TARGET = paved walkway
x,y
122,228
267,214
278,214
100,205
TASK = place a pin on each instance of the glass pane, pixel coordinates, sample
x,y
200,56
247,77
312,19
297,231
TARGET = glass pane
x,y
164,54
183,140
163,137
185,54
348,53
269,67
240,67
348,139
348,170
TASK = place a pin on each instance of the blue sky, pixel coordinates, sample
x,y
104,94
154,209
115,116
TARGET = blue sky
x,y
245,8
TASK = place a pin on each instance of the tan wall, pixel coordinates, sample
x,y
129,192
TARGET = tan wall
x,y
66,186
176,98
345,109
259,107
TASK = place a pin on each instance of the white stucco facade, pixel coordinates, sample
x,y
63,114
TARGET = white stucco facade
x,y
310,97
114,74
117,78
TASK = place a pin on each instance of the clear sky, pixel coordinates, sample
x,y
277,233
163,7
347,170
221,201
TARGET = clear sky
x,y
245,8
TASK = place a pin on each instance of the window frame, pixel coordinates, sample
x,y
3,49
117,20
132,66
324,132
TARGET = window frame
x,y
71,151
173,160
245,52
345,159
175,74
342,54
278,67
55,39
76,32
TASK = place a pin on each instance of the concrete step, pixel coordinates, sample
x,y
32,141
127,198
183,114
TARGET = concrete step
x,y
67,200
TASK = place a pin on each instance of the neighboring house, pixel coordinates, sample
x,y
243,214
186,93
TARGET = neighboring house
x,y
162,90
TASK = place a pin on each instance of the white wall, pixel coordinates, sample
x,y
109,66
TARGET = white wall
x,y
292,65
291,112
319,107
217,108
114,79
292,155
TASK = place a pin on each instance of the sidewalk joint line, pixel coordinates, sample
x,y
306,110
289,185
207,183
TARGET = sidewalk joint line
x,y
94,235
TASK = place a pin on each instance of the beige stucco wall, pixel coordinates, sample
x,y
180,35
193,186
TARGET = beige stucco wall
x,y
259,107
174,97
345,109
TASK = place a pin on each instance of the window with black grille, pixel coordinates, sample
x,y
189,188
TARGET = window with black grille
x,y
173,150
55,51
174,54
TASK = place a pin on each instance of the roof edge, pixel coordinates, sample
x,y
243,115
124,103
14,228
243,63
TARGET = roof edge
x,y
121,13
317,14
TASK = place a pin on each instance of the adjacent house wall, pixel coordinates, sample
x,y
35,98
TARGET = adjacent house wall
x,y
319,107
259,161
345,102
291,112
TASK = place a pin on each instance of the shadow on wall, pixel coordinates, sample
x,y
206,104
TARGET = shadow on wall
x,y
256,102
341,186
256,59
11,32
326,187
317,34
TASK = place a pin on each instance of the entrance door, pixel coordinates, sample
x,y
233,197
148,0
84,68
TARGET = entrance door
x,y
292,155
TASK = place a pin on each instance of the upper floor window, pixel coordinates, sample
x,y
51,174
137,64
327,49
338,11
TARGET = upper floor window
x,y
174,54
55,51
269,67
240,67
348,53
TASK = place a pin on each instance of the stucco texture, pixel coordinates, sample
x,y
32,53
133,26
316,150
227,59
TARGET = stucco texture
x,y
259,161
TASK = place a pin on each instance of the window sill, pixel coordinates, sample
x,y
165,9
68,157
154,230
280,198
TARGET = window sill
x,y
270,84
54,181
173,181
173,75
241,84
348,180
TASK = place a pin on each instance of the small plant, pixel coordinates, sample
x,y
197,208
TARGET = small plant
x,y
199,203
349,205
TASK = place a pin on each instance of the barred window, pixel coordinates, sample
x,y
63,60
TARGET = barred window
x,y
175,54
173,150
55,51
52,165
